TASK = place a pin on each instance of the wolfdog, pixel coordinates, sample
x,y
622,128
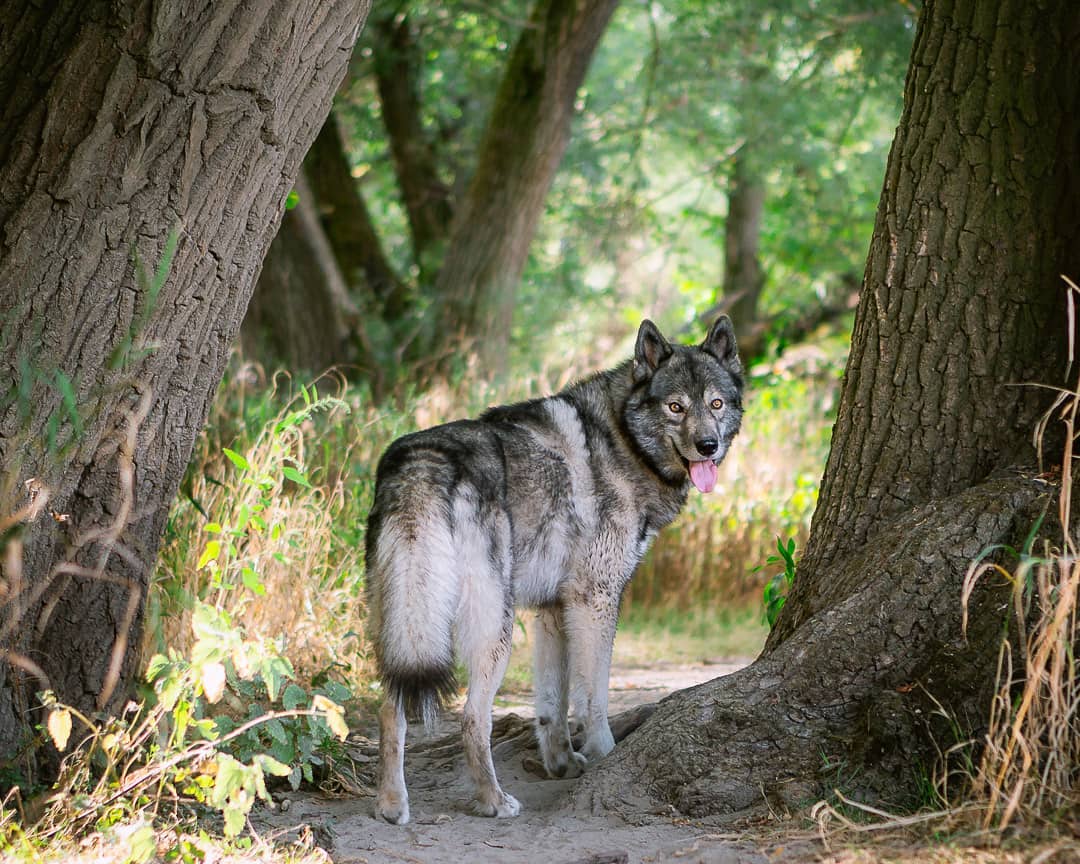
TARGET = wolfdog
x,y
548,504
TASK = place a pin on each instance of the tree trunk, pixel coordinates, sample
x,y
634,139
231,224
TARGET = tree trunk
x,y
327,295
931,462
348,226
301,314
523,143
743,276
122,122
424,195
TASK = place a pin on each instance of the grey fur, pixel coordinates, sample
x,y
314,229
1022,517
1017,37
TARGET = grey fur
x,y
548,504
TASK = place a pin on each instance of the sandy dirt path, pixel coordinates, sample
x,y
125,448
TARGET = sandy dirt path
x,y
548,830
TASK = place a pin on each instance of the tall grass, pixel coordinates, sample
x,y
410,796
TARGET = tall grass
x,y
269,525
1030,764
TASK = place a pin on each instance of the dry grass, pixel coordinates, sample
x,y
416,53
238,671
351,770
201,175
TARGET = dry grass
x,y
285,570
1030,767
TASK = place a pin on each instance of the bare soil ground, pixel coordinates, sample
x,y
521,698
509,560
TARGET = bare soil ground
x,y
550,828
553,828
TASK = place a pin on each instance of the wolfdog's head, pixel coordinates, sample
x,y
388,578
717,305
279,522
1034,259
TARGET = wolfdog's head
x,y
686,404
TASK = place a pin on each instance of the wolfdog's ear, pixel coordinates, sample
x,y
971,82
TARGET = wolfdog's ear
x,y
651,350
721,344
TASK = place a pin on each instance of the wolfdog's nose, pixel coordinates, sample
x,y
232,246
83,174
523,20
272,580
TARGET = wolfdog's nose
x,y
706,446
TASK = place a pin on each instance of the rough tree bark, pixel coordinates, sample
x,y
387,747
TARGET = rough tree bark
x,y
931,460
121,122
523,143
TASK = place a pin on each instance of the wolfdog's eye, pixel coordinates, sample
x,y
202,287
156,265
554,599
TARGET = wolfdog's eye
x,y
675,407
717,404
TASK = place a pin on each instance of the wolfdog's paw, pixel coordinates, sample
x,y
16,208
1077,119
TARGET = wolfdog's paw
x,y
565,764
597,746
393,808
503,807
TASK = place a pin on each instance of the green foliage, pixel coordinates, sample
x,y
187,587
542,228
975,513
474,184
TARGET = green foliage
x,y
635,221
203,733
127,352
774,595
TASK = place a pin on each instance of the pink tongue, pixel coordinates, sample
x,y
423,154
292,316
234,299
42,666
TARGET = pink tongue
x,y
703,475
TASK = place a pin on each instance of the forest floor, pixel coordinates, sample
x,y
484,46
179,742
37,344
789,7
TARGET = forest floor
x,y
549,830
552,828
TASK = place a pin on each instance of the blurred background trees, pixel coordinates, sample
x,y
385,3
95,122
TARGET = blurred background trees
x,y
503,185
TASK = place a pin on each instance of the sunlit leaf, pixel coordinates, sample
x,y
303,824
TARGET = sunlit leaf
x,y
59,725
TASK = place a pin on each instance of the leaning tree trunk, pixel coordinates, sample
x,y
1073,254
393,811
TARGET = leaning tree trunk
x,y
122,122
301,314
523,143
327,291
931,462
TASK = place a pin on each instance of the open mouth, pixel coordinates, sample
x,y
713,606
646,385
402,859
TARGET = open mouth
x,y
702,473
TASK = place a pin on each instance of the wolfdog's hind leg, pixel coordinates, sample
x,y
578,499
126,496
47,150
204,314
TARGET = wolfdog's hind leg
x,y
552,700
392,801
487,664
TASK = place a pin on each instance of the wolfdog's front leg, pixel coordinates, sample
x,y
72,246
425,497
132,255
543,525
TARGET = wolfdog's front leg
x,y
590,630
552,697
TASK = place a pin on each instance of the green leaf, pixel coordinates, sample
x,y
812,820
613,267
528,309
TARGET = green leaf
x,y
231,777
252,581
157,665
67,394
210,553
294,697
295,476
237,460
277,731
274,671
234,819
283,751
142,845
337,691
292,199
272,766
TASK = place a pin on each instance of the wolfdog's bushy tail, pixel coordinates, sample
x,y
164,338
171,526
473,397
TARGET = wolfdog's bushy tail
x,y
412,597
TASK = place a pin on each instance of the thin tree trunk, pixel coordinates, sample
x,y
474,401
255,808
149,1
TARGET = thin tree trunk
x,y
348,225
424,195
743,276
523,143
122,122
301,314
931,462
